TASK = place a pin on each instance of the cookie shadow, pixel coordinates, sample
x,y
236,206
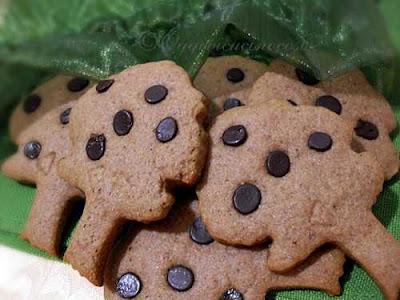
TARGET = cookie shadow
x,y
348,268
120,247
395,133
387,205
71,215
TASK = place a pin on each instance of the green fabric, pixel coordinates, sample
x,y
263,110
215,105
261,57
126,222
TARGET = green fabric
x,y
54,35
16,199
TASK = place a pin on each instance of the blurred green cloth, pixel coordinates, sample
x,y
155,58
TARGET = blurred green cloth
x,y
16,200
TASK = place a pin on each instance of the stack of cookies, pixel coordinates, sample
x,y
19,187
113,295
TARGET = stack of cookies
x,y
252,178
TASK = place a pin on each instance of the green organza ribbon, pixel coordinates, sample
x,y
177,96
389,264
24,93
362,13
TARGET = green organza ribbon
x,y
96,38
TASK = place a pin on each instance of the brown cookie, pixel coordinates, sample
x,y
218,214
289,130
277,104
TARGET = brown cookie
x,y
53,93
288,173
41,146
225,102
227,74
177,259
349,95
134,137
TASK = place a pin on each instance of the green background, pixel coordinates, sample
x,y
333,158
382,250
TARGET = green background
x,y
16,199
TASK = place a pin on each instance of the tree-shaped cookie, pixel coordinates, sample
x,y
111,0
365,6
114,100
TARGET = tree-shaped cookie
x,y
349,95
41,146
133,138
51,94
288,173
177,259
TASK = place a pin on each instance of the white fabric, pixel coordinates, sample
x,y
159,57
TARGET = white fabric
x,y
26,277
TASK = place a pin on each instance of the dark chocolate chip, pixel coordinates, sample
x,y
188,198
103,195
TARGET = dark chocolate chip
x,y
155,94
231,103
64,116
232,294
330,102
166,130
306,78
292,102
367,130
96,146
77,84
278,164
199,234
128,286
32,103
235,75
180,278
235,136
123,122
246,198
32,149
104,85
320,141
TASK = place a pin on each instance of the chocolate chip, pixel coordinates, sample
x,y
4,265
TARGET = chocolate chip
x,y
231,103
306,78
320,141
64,116
77,84
232,294
199,234
104,85
166,130
292,102
246,198
235,136
123,122
367,130
235,75
155,94
278,164
180,278
32,103
32,149
129,286
329,102
96,146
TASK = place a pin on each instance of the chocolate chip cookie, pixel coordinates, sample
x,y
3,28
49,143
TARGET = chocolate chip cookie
x,y
134,137
227,74
178,259
40,148
349,95
288,173
51,94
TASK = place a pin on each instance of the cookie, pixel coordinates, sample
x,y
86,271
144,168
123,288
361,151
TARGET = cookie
x,y
288,173
177,259
134,137
53,93
40,147
225,102
227,74
349,95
